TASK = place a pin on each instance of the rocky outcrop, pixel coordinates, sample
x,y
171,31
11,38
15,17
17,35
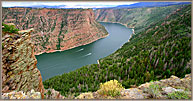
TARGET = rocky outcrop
x,y
19,71
20,76
163,89
49,94
56,29
52,94
21,95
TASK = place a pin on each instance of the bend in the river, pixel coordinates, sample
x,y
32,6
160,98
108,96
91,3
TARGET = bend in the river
x,y
52,64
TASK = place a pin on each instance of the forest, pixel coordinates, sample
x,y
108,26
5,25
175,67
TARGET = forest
x,y
161,50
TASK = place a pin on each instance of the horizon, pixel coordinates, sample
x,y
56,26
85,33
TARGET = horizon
x,y
66,4
72,4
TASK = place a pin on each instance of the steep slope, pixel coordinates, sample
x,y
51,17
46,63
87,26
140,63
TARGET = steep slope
x,y
137,18
162,50
20,75
19,71
56,29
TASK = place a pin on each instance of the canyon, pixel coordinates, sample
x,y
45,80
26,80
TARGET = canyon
x,y
49,30
137,18
70,60
162,50
142,59
56,29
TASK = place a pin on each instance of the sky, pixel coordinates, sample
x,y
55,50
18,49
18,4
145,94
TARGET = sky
x,y
68,4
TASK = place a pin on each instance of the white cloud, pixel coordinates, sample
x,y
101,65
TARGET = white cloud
x,y
69,4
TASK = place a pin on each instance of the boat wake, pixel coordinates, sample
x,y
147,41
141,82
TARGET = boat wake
x,y
80,50
48,67
87,54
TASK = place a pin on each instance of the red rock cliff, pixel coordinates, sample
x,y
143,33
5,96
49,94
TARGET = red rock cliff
x,y
19,71
56,29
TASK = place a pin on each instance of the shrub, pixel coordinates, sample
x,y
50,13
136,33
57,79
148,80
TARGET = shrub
x,y
2,45
178,95
154,91
110,88
9,28
49,94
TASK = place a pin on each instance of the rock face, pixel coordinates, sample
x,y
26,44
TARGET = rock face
x,y
19,71
56,29
32,95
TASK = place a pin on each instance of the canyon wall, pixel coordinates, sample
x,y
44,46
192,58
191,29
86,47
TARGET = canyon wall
x,y
19,70
137,18
56,29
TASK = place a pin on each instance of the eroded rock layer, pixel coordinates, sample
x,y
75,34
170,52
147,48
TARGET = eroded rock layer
x,y
19,71
56,29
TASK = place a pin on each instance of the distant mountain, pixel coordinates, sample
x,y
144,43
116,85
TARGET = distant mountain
x,y
41,6
135,5
45,6
151,4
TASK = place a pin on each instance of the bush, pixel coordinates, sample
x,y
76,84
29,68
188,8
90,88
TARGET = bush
x,y
110,88
2,45
9,28
178,95
154,91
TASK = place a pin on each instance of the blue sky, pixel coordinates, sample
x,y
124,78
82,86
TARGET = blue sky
x,y
68,4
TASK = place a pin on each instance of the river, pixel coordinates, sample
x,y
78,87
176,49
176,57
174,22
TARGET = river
x,y
52,64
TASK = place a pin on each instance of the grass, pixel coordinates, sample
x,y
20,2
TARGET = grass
x,y
154,91
178,95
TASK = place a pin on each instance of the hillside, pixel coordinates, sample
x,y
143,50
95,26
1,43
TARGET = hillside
x,y
56,29
161,50
137,18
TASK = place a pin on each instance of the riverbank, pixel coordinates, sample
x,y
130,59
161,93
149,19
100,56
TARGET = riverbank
x,y
52,51
119,23
132,35
133,32
125,26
